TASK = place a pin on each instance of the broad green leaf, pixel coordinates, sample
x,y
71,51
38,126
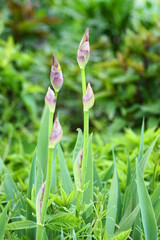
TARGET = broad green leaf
x,y
123,235
78,146
42,146
23,224
3,222
88,193
65,176
148,216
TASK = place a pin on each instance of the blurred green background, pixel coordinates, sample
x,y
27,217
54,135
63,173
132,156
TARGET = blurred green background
x,y
124,68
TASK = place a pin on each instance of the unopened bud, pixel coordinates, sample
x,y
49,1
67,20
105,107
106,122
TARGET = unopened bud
x,y
50,100
56,75
39,201
56,134
83,50
88,98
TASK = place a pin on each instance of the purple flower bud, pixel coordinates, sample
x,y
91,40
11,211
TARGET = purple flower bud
x,y
83,50
39,201
56,134
50,100
88,98
56,75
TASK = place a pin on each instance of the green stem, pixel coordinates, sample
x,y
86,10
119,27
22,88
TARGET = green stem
x,y
85,146
86,131
39,232
48,183
83,81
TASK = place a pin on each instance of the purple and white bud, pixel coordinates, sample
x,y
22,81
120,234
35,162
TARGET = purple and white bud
x,y
56,134
56,75
83,50
88,98
50,100
39,201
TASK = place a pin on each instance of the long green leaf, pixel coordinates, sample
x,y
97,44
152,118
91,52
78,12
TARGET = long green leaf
x,y
78,145
126,223
3,222
155,195
114,203
112,207
65,176
42,146
24,224
148,216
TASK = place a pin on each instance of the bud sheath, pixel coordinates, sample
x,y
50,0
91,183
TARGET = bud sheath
x,y
88,98
39,200
50,100
56,134
83,50
56,75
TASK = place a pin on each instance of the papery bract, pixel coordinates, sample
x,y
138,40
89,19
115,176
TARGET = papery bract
x,y
88,98
56,134
83,50
50,100
39,200
56,75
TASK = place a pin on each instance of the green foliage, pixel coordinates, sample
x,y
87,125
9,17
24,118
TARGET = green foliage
x,y
120,199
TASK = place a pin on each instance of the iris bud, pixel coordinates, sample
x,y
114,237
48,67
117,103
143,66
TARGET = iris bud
x,y
83,50
50,100
56,75
88,98
56,134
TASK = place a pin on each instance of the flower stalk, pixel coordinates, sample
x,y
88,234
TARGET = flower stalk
x,y
55,135
82,59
